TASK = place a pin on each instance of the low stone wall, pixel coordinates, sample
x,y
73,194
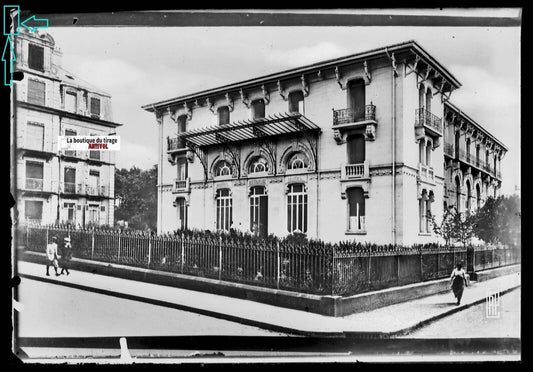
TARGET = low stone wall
x,y
326,305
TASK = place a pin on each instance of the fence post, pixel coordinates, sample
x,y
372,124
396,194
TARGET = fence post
x,y
398,269
421,266
369,266
438,272
492,258
118,258
47,240
182,251
28,237
92,244
220,258
149,250
278,265
333,271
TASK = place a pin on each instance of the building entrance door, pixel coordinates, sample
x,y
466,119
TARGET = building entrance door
x,y
259,211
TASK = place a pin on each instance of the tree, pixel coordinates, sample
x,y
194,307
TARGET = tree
x,y
137,191
464,224
499,220
446,228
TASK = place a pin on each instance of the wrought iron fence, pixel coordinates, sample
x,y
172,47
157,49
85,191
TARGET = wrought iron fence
x,y
343,269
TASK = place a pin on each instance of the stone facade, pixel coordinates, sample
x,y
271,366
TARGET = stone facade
x,y
373,168
54,185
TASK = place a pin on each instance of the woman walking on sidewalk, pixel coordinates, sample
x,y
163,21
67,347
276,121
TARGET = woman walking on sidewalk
x,y
458,282
66,256
51,256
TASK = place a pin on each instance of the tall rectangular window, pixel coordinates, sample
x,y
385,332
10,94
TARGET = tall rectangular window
x,y
69,177
69,132
182,168
224,209
94,154
296,102
34,175
258,109
94,183
356,213
70,209
36,57
33,210
71,102
182,127
36,92
93,214
223,115
35,136
182,213
95,106
297,209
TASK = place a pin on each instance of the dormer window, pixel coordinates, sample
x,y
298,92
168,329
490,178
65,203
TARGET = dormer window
x,y
36,57
223,115
258,109
95,107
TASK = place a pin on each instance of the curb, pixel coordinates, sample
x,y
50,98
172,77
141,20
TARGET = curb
x,y
213,314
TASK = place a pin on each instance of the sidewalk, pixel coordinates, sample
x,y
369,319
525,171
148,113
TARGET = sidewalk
x,y
384,322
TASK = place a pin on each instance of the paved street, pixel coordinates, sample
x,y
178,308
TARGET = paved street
x,y
472,322
52,310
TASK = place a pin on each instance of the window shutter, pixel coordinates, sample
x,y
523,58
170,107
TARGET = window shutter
x,y
35,136
36,92
95,106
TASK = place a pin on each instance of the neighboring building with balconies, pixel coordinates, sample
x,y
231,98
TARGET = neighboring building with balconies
x,y
349,148
54,185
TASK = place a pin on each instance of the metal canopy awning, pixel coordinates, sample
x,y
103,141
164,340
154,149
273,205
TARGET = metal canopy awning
x,y
273,125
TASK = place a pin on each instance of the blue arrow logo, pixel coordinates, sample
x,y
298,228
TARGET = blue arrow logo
x,y
32,29
8,76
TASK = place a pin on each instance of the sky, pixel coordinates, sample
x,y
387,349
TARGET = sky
x,y
142,65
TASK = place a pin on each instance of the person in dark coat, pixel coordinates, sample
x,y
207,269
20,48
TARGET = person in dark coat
x,y
458,282
66,256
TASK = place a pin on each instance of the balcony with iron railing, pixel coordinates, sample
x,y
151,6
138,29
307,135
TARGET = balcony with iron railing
x,y
91,190
181,186
356,225
353,118
34,184
69,187
176,144
431,124
355,171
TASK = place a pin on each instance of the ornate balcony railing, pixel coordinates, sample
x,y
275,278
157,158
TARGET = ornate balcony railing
x,y
354,115
357,224
70,153
34,184
176,143
96,190
427,119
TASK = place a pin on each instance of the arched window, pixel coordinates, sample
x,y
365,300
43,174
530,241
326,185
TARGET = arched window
x,y
457,194
223,115
224,209
478,196
297,161
356,209
296,101
223,168
468,197
181,207
297,209
431,197
258,165
258,109
428,99
468,149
